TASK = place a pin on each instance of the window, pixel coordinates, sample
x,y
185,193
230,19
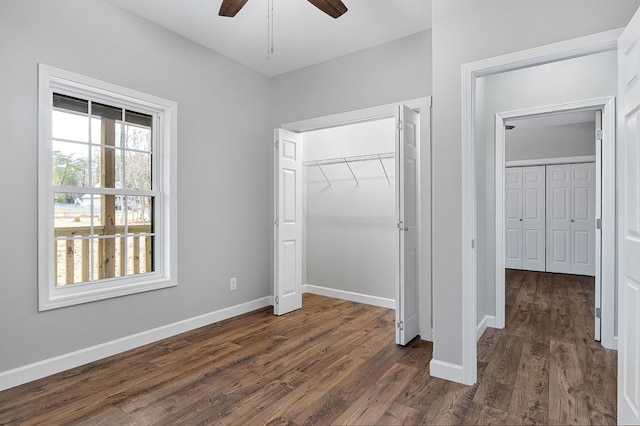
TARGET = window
x,y
107,178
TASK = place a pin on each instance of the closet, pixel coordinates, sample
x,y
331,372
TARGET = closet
x,y
550,218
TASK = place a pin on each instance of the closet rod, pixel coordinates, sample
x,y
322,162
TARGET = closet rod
x,y
342,160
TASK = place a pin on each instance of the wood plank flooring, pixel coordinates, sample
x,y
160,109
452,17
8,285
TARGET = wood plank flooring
x,y
334,362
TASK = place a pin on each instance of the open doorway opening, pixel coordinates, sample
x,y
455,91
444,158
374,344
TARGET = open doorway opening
x,y
552,220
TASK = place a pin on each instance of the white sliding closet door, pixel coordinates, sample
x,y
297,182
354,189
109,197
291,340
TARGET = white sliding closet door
x,y
583,221
525,218
559,218
513,218
571,225
533,218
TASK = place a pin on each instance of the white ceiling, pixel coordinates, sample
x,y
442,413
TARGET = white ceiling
x,y
303,35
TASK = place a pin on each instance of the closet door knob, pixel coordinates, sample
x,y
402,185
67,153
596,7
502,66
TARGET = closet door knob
x,y
572,220
520,220
406,229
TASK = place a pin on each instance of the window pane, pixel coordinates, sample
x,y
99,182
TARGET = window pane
x,y
139,213
139,254
71,210
69,118
137,137
71,261
108,216
106,167
70,164
137,170
106,255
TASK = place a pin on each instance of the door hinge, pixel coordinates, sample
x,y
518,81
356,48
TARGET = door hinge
x,y
277,300
598,134
473,244
598,313
277,144
401,325
399,124
401,225
598,223
277,222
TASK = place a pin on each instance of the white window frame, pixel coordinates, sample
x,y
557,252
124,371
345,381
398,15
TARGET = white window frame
x,y
164,114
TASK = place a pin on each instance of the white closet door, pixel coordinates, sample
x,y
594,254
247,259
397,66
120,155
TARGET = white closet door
x,y
408,185
288,225
558,222
629,224
583,222
513,218
533,218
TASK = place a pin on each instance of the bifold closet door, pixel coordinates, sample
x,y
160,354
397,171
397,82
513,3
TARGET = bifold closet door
x,y
571,218
525,218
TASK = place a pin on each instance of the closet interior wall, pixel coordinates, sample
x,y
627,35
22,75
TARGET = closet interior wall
x,y
349,208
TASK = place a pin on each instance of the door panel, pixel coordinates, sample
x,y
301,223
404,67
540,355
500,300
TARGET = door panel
x,y
533,218
407,152
629,225
513,218
288,223
558,224
583,222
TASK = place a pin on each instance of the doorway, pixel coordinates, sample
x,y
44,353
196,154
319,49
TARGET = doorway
x,y
413,289
566,224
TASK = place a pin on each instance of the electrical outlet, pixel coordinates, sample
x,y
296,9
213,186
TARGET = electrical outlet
x,y
233,284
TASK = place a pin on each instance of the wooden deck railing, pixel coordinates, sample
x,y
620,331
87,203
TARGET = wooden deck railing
x,y
107,251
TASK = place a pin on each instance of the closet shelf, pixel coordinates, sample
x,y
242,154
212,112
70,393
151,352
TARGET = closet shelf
x,y
352,159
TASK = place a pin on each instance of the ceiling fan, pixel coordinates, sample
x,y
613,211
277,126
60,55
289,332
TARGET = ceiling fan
x,y
333,8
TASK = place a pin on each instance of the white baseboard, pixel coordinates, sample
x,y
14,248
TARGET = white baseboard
x,y
487,321
47,367
350,296
446,370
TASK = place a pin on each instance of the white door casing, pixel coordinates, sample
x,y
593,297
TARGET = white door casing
x,y
583,223
513,218
408,186
558,219
533,218
288,222
629,224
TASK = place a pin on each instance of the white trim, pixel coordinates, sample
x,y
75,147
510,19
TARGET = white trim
x,y
446,370
165,180
47,367
607,266
487,321
357,116
577,47
549,161
351,296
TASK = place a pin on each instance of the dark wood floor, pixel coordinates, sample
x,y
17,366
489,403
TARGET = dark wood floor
x,y
335,362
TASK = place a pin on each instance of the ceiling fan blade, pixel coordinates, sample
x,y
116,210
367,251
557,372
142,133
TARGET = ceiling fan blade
x,y
333,8
231,7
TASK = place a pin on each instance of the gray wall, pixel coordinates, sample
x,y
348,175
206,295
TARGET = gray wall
x,y
391,72
465,31
351,229
224,180
576,79
565,140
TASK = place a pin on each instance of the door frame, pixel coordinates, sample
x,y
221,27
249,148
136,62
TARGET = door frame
x,y
605,264
423,105
568,49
